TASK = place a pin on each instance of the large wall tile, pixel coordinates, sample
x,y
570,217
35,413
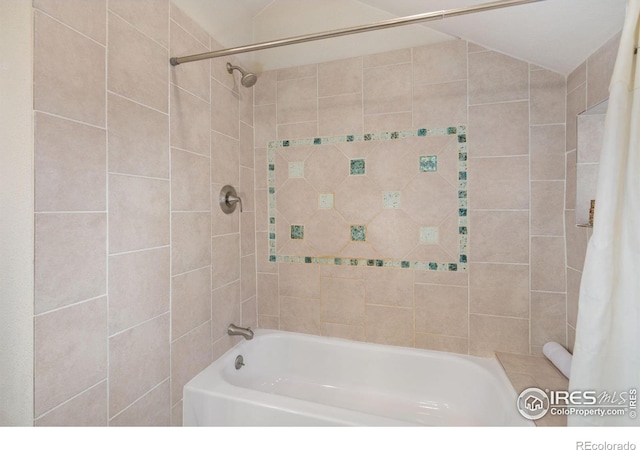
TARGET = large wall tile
x,y
70,259
440,63
340,77
70,165
190,122
138,213
499,236
191,77
190,178
442,343
89,18
547,264
138,287
548,318
138,139
88,409
299,280
225,259
547,152
599,70
340,115
248,277
268,299
440,105
142,349
189,355
225,112
300,315
70,352
190,301
225,160
442,310
297,100
342,301
190,241
499,183
488,334
389,325
225,309
389,287
149,411
494,77
387,89
499,289
547,97
547,208
499,129
137,66
68,83
150,17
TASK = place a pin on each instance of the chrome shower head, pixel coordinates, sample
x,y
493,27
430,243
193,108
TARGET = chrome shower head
x,y
248,79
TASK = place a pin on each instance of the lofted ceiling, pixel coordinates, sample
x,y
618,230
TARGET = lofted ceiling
x,y
556,34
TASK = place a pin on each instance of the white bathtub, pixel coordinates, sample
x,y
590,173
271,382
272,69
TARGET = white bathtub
x,y
292,379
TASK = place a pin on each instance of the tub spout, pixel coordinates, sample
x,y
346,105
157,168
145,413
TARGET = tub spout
x,y
235,330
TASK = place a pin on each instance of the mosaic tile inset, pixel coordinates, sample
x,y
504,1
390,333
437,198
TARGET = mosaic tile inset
x,y
358,233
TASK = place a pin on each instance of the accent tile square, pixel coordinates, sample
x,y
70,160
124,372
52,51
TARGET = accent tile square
x,y
297,231
429,235
358,233
325,201
357,167
296,170
391,199
429,163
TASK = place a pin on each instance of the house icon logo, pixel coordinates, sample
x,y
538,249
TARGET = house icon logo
x,y
533,403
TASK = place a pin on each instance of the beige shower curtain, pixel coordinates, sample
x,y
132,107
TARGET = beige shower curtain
x,y
606,354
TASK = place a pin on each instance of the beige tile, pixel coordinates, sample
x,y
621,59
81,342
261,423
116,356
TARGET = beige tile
x,y
261,168
499,129
137,65
70,165
571,337
246,105
442,310
248,277
138,139
70,259
190,301
225,254
342,301
150,17
574,278
265,92
548,318
536,366
265,125
488,334
387,58
440,277
577,241
190,122
246,190
577,77
268,302
547,264
191,77
190,178
249,313
190,240
521,381
89,409
70,352
297,201
499,236
152,410
389,287
269,322
571,182
599,71
442,343
297,100
176,415
225,309
89,18
499,289
142,349
299,130
186,22
440,105
387,89
225,110
325,169
576,103
495,77
138,287
222,223
262,254
342,331
340,77
246,145
387,122
138,213
440,63
190,354
69,73
590,137
442,199
220,73
499,183
300,315
291,73
247,234
475,48
389,325
547,208
225,160
299,280
341,114
548,152
393,234
548,97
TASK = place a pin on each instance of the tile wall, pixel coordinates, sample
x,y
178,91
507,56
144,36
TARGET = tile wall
x,y
137,271
512,298
587,86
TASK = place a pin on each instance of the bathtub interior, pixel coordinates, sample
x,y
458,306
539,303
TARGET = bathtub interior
x,y
401,385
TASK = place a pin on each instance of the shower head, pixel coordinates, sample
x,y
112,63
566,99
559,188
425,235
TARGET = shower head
x,y
248,79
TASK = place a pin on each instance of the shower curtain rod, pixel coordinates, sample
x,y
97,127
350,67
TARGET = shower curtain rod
x,y
436,15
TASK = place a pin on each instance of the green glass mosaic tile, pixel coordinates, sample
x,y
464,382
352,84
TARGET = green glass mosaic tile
x,y
357,167
429,163
297,231
358,233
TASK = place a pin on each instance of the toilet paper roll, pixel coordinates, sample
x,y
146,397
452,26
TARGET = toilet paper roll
x,y
559,356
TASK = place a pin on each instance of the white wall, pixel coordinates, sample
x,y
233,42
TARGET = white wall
x,y
16,213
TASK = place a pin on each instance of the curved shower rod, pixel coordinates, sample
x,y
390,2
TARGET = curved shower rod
x,y
418,18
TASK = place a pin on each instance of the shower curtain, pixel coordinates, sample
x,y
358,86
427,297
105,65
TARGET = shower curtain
x,y
607,348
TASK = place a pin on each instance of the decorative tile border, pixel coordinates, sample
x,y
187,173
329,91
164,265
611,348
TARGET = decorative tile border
x,y
463,226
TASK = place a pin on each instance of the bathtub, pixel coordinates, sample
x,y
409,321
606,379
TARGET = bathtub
x,y
291,379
